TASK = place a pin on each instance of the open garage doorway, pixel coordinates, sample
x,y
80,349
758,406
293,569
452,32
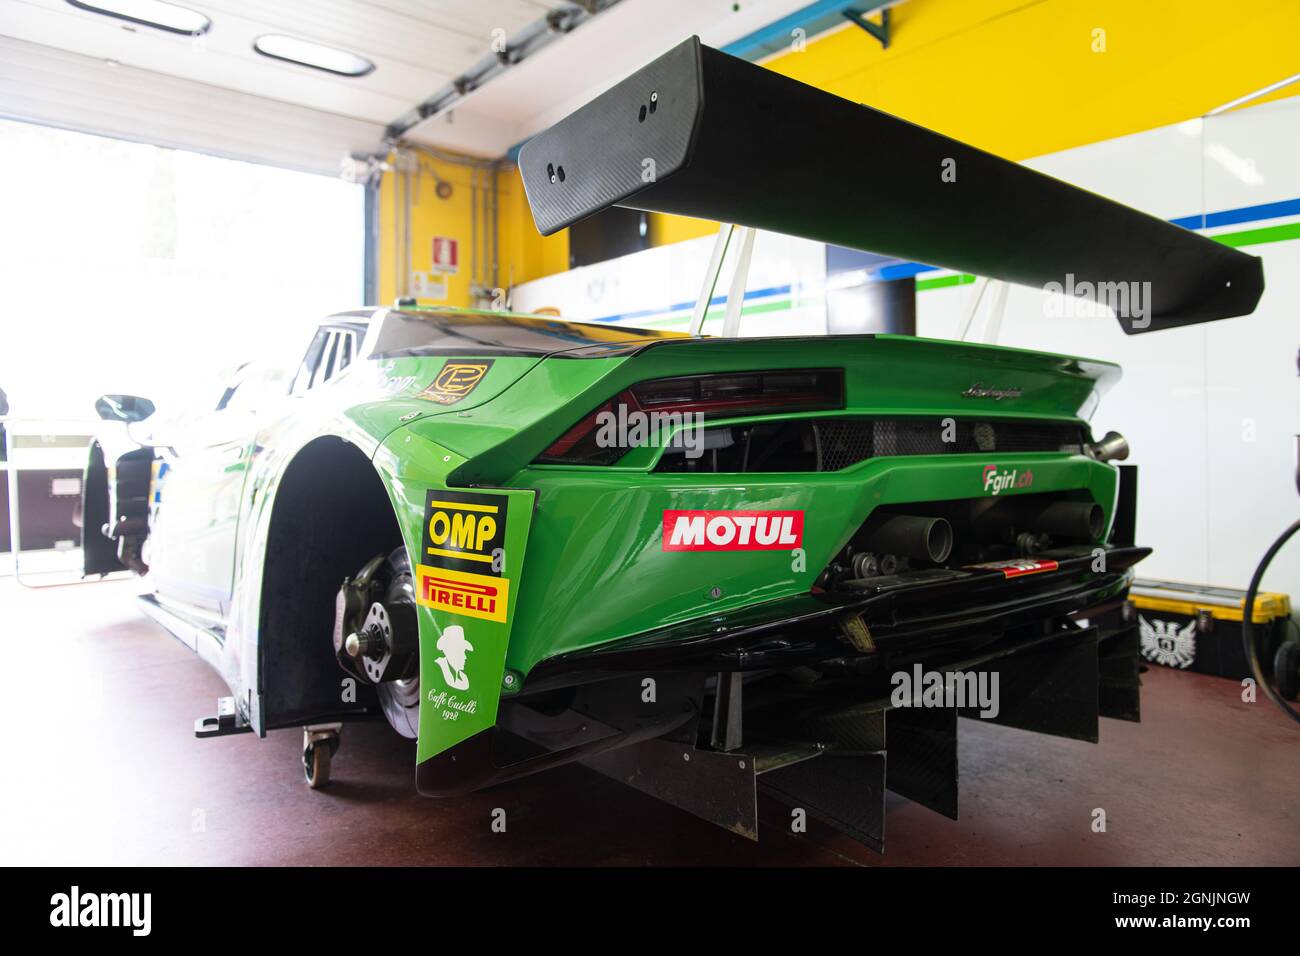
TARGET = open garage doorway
x,y
152,272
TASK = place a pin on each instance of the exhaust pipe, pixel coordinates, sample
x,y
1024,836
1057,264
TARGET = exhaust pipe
x,y
1113,447
1071,519
926,539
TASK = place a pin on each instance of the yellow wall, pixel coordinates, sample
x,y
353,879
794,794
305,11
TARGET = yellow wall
x,y
523,250
665,229
1019,78
522,253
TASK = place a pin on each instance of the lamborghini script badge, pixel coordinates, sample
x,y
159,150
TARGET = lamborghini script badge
x,y
980,390
462,555
455,381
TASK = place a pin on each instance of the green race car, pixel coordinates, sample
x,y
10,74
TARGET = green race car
x,y
699,565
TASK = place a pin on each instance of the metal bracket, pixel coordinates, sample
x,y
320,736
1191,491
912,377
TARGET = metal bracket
x,y
728,708
225,722
879,31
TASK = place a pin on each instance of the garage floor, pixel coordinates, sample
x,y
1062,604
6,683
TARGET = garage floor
x,y
101,767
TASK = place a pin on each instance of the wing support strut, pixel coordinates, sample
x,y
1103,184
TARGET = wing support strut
x,y
736,293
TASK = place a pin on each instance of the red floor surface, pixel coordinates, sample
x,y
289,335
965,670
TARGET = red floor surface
x,y
102,767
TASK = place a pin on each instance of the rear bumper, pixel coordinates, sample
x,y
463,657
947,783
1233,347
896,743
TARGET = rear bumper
x,y
911,612
596,572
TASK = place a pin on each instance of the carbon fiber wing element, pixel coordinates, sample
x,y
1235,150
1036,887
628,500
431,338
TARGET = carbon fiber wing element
x,y
703,134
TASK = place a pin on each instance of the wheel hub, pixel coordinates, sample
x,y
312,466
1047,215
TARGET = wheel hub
x,y
383,648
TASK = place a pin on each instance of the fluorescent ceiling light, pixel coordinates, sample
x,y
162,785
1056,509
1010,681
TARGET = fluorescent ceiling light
x,y
316,55
150,13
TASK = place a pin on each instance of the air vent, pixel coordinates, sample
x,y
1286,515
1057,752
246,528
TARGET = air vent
x,y
832,444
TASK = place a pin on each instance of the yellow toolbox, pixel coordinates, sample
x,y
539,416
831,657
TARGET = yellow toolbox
x,y
1198,628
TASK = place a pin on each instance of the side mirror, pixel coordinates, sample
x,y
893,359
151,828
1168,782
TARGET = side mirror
x,y
4,403
123,408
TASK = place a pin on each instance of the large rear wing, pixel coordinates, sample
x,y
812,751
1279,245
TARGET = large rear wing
x,y
700,133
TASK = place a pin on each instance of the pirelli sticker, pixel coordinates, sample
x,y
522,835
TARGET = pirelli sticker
x,y
463,555
474,595
455,381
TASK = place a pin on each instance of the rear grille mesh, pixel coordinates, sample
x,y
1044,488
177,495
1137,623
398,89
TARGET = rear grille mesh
x,y
831,444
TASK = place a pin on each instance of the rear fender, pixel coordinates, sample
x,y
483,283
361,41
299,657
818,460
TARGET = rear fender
x,y
467,550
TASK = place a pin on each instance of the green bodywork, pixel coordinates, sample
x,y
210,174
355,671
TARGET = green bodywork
x,y
583,553
580,561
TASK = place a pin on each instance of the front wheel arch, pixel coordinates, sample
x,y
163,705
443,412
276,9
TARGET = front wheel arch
x,y
331,514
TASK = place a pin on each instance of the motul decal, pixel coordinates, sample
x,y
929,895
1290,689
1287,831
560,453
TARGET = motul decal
x,y
1017,567
460,592
732,530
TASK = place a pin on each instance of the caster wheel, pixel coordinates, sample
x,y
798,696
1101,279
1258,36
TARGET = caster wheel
x,y
316,765
319,744
1286,669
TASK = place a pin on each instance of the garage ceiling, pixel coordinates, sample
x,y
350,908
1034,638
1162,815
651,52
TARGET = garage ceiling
x,y
68,67
548,86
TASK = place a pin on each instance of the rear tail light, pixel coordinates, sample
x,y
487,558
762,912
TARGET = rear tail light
x,y
729,395
745,393
581,444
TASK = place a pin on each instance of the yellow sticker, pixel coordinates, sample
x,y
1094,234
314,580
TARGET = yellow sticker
x,y
455,381
459,592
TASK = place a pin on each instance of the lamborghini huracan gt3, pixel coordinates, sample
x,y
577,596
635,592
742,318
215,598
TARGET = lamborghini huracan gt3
x,y
697,564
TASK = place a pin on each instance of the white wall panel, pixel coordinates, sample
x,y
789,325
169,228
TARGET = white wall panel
x,y
1254,392
1209,410
658,287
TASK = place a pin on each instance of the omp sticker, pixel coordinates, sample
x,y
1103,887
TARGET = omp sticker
x,y
1016,567
458,592
455,381
732,530
464,532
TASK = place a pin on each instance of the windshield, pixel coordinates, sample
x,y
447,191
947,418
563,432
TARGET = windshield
x,y
487,333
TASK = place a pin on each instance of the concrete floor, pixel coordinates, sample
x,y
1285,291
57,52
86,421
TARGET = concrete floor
x,y
102,767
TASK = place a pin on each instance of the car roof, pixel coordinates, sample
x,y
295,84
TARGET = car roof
x,y
443,330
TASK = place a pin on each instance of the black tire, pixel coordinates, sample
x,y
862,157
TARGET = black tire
x,y
400,699
316,766
1286,669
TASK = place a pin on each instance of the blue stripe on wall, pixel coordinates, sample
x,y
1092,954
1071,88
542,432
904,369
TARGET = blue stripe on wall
x,y
1229,217
814,18
903,270
1225,217
689,306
